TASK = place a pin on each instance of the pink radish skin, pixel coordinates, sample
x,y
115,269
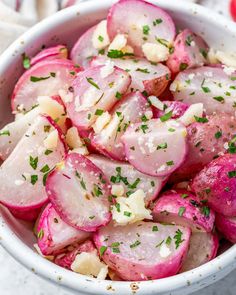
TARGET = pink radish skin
x,y
131,17
139,255
178,108
182,207
216,183
190,51
150,185
145,75
27,215
208,85
129,110
33,196
94,92
227,226
59,75
205,142
51,53
79,192
203,248
55,233
156,148
83,49
66,259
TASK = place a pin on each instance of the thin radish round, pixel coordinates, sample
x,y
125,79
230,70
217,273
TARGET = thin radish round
x,y
203,248
27,215
146,76
45,78
213,86
190,51
154,147
83,50
182,207
133,108
227,226
96,90
54,234
144,250
131,179
80,193
216,184
39,150
66,259
142,22
51,53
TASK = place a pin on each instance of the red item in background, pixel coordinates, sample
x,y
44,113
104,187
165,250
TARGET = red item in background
x,y
233,9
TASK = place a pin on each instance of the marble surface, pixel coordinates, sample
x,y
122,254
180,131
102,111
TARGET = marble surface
x,y
14,278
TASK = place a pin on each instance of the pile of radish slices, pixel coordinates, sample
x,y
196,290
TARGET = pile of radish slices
x,y
124,151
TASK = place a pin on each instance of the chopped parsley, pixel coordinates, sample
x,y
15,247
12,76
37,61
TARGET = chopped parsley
x,y
203,52
117,54
200,119
102,250
144,128
48,152
181,211
166,116
99,112
157,21
145,71
154,228
40,234
189,40
82,183
34,179
134,185
45,169
232,174
135,244
37,79
33,162
5,133
170,163
178,238
219,98
218,134
162,146
128,214
144,118
91,81
205,211
25,61
168,241
183,66
118,95
146,30
100,38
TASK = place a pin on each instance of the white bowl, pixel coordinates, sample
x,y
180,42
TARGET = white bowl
x,y
65,27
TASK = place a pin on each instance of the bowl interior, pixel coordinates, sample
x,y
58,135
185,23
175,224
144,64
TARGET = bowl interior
x,y
65,28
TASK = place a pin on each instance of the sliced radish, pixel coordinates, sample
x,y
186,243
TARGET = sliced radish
x,y
51,53
216,183
11,134
54,234
133,108
206,141
177,108
45,78
83,50
66,259
144,250
27,215
130,178
156,148
153,78
212,86
96,90
39,150
79,192
142,22
182,207
190,51
227,226
203,248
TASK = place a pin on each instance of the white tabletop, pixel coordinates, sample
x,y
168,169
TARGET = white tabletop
x,y
15,279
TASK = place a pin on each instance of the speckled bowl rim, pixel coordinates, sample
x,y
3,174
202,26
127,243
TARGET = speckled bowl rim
x,y
22,253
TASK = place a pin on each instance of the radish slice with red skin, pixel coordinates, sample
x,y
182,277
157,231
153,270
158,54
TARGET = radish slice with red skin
x,y
49,76
216,183
79,192
182,207
66,259
83,49
93,91
227,226
51,53
150,185
156,148
153,78
144,250
203,248
233,9
209,85
27,215
178,108
54,234
34,160
190,51
141,21
131,109
206,141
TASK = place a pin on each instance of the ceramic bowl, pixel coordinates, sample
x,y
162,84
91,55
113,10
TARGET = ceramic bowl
x,y
65,27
